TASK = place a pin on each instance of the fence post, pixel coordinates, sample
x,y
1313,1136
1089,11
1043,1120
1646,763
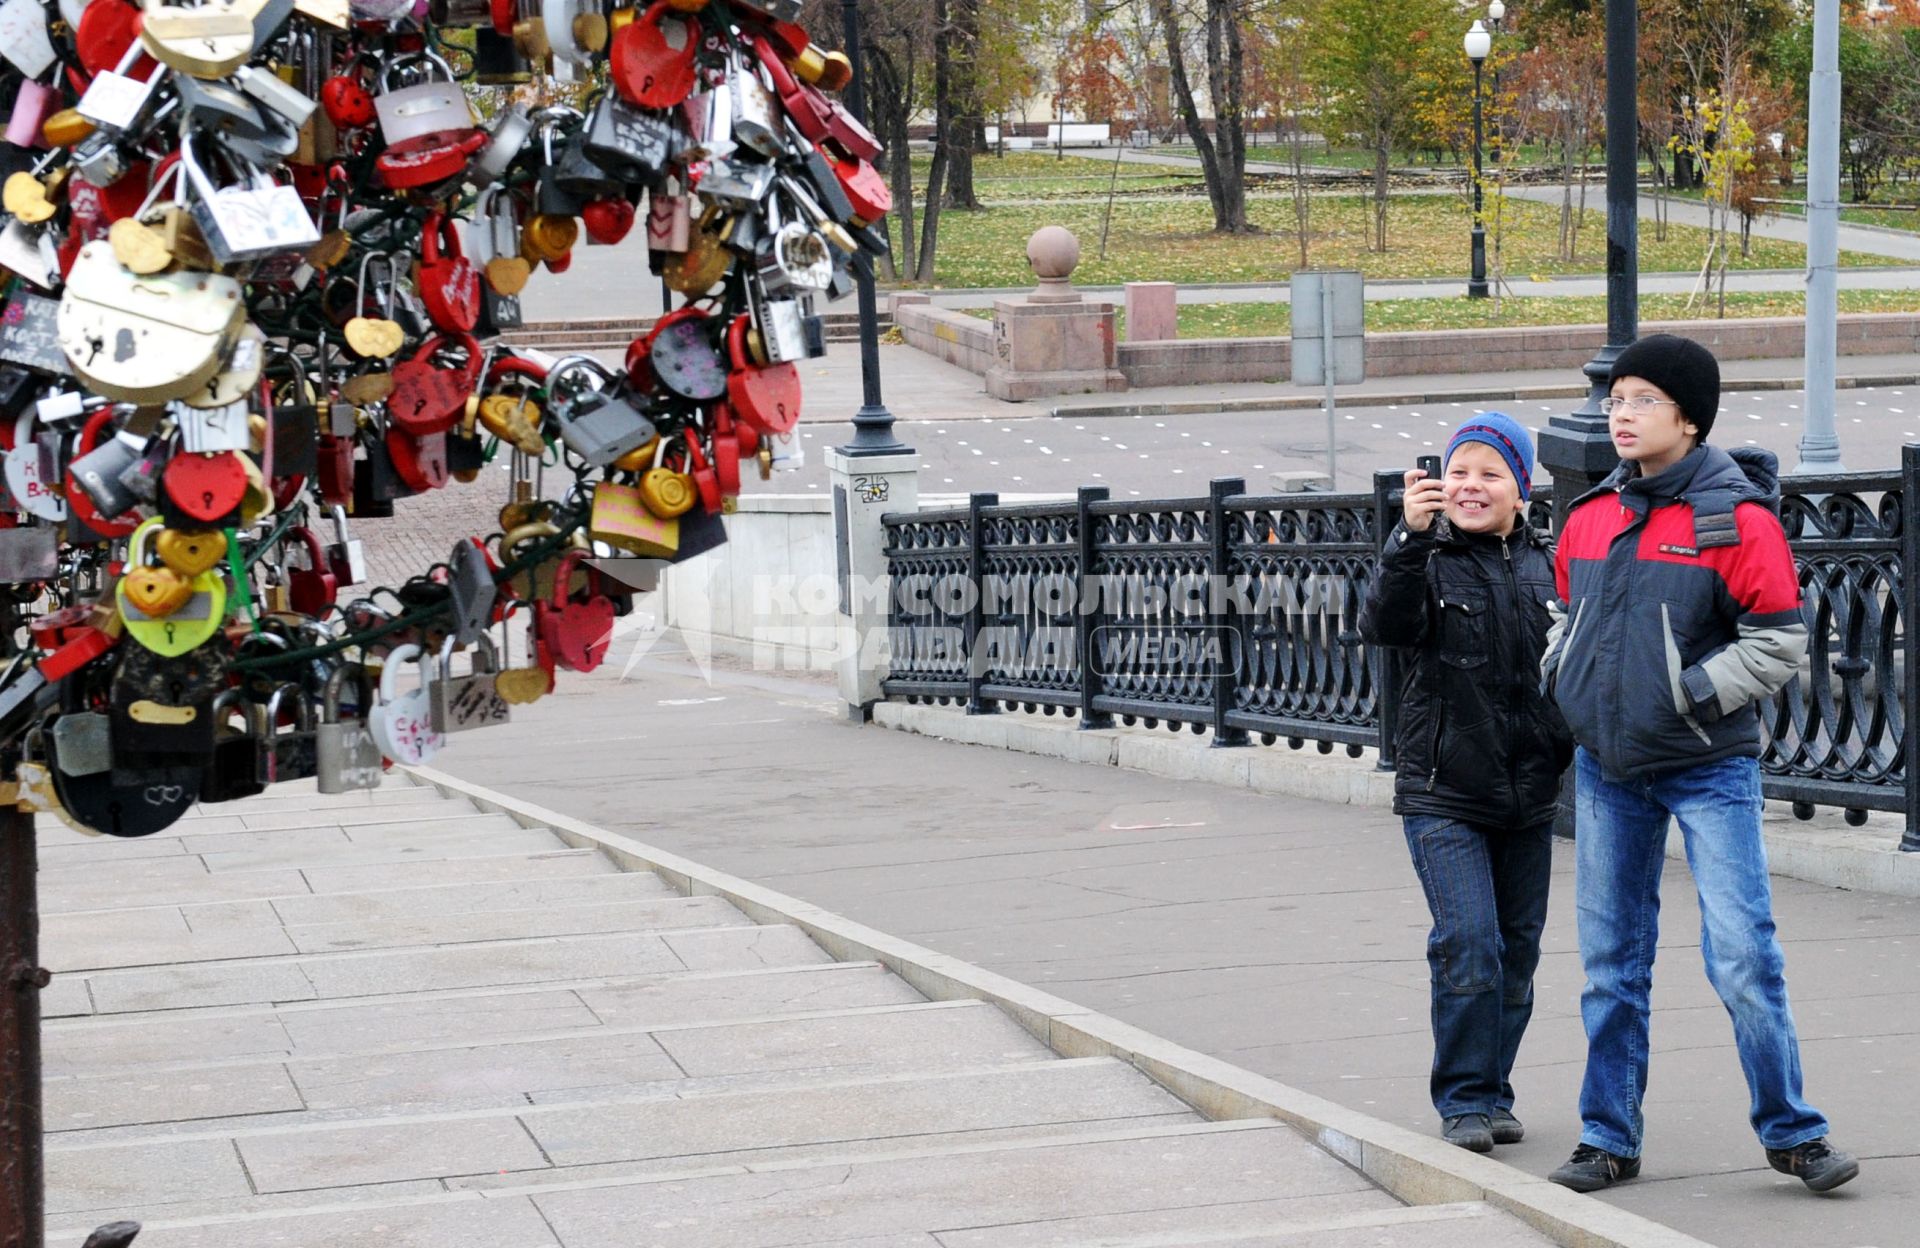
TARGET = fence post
x,y
977,599
1910,638
1222,621
1388,668
1088,609
22,1169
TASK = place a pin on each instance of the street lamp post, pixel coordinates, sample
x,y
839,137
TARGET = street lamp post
x,y
873,423
1496,15
1478,44
1576,448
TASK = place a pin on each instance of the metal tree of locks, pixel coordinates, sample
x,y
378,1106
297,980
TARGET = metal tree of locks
x,y
194,345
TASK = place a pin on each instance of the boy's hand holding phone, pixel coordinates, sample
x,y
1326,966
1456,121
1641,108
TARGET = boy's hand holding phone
x,y
1426,495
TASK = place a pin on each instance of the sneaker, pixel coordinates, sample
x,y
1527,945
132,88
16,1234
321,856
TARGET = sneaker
x,y
1507,1128
1468,1131
1816,1163
1591,1168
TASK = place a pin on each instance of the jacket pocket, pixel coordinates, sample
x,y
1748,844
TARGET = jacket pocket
x,y
1463,630
1681,706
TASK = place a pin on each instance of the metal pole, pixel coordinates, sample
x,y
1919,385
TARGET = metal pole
x,y
1820,437
22,1171
873,423
1477,284
1326,374
1576,448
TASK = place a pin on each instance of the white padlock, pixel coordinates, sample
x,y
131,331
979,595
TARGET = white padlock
x,y
402,723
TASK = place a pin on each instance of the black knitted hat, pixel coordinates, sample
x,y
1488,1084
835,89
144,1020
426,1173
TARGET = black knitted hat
x,y
1683,368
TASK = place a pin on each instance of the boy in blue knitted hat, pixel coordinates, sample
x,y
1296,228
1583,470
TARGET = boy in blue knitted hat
x,y
1463,586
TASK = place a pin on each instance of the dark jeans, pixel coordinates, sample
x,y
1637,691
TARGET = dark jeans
x,y
1487,890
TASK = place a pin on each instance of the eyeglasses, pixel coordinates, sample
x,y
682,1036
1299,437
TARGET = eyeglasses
x,y
1639,404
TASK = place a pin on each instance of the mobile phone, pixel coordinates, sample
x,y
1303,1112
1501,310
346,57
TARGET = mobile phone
x,y
1429,464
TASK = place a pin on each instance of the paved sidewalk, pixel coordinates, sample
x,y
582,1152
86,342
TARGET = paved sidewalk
x,y
1283,935
388,1020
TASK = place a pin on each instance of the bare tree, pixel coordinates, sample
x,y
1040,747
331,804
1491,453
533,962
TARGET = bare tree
x,y
1222,164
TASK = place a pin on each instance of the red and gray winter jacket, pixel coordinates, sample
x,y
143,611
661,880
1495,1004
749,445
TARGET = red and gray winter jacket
x,y
1681,611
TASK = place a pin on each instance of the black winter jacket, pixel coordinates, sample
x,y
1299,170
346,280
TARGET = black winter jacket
x,y
1475,738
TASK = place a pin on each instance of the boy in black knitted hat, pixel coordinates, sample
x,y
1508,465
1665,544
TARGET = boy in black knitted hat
x,y
1682,611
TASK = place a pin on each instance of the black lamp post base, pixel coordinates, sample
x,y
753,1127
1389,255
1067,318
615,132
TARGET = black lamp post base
x,y
873,434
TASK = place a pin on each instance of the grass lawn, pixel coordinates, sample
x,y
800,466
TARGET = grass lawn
x,y
1851,214
1426,234
1037,175
1265,320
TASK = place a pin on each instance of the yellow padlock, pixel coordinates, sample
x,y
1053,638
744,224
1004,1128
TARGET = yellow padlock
x,y
694,271
639,458
546,236
65,128
667,493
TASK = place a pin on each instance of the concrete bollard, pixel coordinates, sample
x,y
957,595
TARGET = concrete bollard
x,y
1152,312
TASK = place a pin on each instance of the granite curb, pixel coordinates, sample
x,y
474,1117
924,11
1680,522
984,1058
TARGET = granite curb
x,y
1477,394
1417,1169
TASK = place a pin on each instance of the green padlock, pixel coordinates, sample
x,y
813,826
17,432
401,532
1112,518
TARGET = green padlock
x,y
179,631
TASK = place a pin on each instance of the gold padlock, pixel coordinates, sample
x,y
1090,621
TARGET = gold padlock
x,y
809,65
209,41
28,198
548,236
590,31
514,419
666,493
694,271
66,128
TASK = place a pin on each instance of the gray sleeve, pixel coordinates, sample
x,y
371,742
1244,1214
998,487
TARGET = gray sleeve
x,y
1757,665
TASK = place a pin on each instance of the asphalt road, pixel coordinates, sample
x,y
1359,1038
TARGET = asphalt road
x,y
1175,455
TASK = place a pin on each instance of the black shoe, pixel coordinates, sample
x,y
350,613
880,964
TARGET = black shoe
x,y
1469,1131
1507,1128
1591,1168
1816,1163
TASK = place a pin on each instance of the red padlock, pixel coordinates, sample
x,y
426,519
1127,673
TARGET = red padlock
x,y
726,451
607,221
866,190
850,133
575,632
652,61
449,284
429,398
766,398
346,100
103,35
560,263
334,470
428,158
78,501
206,486
420,462
811,113
312,589
705,479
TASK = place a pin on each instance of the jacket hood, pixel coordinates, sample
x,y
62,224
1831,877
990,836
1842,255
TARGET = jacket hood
x,y
1713,480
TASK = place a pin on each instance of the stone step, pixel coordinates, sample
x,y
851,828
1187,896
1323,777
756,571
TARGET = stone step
x,y
185,880
570,1143
378,905
133,1043
890,1200
310,977
1269,1224
563,1065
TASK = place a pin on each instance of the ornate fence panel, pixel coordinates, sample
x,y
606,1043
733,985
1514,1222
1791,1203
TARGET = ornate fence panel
x,y
1239,614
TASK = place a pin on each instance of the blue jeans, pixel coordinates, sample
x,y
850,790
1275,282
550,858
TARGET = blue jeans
x,y
1486,888
1619,850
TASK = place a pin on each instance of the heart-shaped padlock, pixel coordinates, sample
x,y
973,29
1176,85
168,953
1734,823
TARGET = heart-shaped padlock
x,y
30,493
429,398
421,462
577,631
866,190
608,220
766,398
449,284
188,626
684,358
205,486
652,61
402,723
348,103
190,554
157,591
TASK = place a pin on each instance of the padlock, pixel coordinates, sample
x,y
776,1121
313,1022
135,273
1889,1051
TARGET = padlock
x,y
782,332
95,491
402,722
669,223
236,382
496,61
346,555
428,397
188,625
633,143
577,630
250,219
622,519
145,339
289,753
29,554
374,337
204,490
294,423
449,284
277,96
204,430
83,743
597,426
575,173
466,451
756,120
548,237
765,397
737,185
375,483
506,139
334,468
233,771
419,461
607,221
345,753
433,103
313,589
161,707
115,99
34,103
346,100
210,40
463,703
551,198
666,492
188,554
430,158
790,257
684,357
652,60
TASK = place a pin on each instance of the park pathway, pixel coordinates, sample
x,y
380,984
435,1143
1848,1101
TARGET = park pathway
x,y
388,1020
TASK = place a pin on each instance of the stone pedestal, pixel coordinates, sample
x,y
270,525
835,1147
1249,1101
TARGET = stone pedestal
x,y
1153,313
1053,348
865,488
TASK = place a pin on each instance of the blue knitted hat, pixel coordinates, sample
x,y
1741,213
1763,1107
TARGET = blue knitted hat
x,y
1504,434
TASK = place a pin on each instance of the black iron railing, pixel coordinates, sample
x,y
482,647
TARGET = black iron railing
x,y
1236,614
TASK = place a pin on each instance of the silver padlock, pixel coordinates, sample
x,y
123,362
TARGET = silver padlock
x,y
204,430
462,703
345,755
101,473
783,331
790,256
98,159
291,753
83,743
346,556
756,119
511,129
246,222
597,426
113,100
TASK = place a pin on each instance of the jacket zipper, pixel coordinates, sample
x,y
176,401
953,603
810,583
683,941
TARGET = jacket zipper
x,y
1439,725
1519,613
